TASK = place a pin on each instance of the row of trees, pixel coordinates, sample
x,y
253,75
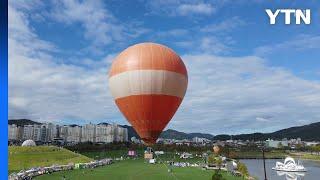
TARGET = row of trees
x,y
90,147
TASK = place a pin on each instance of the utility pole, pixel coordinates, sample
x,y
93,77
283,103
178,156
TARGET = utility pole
x,y
264,164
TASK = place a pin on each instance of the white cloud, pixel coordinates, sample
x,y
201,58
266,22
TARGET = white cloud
x,y
201,8
227,95
180,8
173,33
211,39
213,45
224,26
100,26
207,44
262,119
41,89
299,43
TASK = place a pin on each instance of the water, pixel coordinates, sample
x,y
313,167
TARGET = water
x,y
255,167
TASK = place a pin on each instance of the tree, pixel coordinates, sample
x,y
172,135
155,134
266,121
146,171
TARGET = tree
x,y
242,168
299,146
217,176
211,159
219,162
233,155
316,149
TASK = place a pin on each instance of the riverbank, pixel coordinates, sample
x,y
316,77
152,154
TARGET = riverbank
x,y
257,155
274,155
306,156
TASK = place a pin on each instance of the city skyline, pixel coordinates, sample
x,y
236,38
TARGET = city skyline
x,y
49,132
244,73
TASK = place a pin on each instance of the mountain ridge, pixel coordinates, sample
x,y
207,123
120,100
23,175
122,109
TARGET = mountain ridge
x,y
309,132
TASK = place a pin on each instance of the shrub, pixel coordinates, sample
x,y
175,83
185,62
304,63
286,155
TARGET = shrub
x,y
242,168
217,176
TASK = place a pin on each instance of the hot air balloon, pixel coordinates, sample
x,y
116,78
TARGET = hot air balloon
x,y
148,82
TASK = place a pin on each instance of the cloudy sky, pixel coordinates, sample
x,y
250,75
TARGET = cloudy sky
x,y
244,74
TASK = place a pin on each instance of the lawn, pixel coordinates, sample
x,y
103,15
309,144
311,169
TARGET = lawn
x,y
27,157
168,156
107,154
136,169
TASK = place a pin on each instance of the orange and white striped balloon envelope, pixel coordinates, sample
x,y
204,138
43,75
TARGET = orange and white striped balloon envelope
x,y
148,82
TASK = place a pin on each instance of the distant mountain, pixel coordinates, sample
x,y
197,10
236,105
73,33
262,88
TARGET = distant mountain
x,y
103,123
22,122
170,134
306,132
201,135
309,132
173,134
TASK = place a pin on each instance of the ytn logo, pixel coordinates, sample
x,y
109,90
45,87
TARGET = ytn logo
x,y
304,15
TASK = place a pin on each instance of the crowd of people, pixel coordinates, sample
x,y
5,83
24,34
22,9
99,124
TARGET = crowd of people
x,y
37,171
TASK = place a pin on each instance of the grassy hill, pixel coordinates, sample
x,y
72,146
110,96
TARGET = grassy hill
x,y
27,157
136,169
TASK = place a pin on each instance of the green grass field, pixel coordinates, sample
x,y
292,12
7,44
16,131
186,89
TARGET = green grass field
x,y
168,156
107,154
136,169
27,157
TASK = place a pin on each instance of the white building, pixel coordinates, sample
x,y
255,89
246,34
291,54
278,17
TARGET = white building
x,y
104,134
51,132
277,144
125,136
63,132
44,134
110,134
12,132
120,133
36,133
27,132
88,133
71,133
74,134
200,140
313,143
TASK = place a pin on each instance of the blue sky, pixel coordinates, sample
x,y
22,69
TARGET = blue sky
x,y
245,75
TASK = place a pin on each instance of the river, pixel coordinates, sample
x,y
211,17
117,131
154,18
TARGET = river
x,y
255,167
